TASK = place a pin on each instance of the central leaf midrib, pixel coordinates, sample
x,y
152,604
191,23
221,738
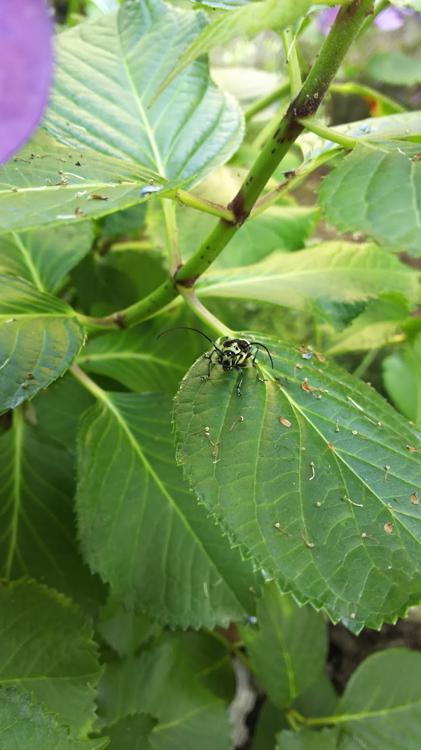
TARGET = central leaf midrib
x,y
18,428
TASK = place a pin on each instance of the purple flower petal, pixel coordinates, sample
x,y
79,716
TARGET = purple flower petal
x,y
390,19
325,19
26,65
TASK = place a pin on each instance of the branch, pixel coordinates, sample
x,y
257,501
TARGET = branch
x,y
344,30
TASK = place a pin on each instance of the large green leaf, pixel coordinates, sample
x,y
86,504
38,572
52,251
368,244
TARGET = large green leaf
x,y
37,518
402,378
313,476
58,410
247,20
182,681
46,648
39,338
51,184
333,271
45,257
104,96
287,649
155,546
25,725
378,192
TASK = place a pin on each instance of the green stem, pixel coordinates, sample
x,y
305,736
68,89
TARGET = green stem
x,y
330,134
137,245
266,101
365,363
200,204
170,217
294,70
203,314
344,30
372,17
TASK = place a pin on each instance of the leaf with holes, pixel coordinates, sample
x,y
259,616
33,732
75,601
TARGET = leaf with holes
x,y
105,93
48,184
46,648
44,257
377,191
37,516
125,452
313,477
287,648
24,724
39,338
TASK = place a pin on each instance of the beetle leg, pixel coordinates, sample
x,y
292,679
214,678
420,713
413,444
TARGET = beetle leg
x,y
240,380
211,364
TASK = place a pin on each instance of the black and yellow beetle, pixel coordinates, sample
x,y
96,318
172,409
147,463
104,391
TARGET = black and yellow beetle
x,y
231,354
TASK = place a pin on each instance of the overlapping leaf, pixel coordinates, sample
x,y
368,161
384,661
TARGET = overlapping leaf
x,y
131,733
39,338
402,378
37,519
313,476
109,72
184,681
333,271
25,724
374,327
377,191
287,648
44,257
247,20
141,528
46,649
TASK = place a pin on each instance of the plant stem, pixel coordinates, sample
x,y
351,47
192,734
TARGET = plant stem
x,y
266,101
200,204
344,30
203,314
173,249
330,134
136,245
365,363
294,70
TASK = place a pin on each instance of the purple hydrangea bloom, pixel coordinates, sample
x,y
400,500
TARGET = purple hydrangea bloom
x,y
26,64
388,20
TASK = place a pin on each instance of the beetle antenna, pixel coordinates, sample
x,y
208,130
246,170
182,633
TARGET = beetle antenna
x,y
189,328
258,343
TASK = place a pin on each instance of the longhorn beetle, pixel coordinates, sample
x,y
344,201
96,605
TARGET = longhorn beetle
x,y
231,354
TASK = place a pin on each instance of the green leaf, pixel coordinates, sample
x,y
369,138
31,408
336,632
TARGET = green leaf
x,y
315,480
27,726
46,648
395,68
381,706
39,338
48,184
374,327
58,409
402,378
378,192
124,630
105,93
401,126
45,257
288,648
178,682
326,739
132,733
36,496
247,20
125,451
334,271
